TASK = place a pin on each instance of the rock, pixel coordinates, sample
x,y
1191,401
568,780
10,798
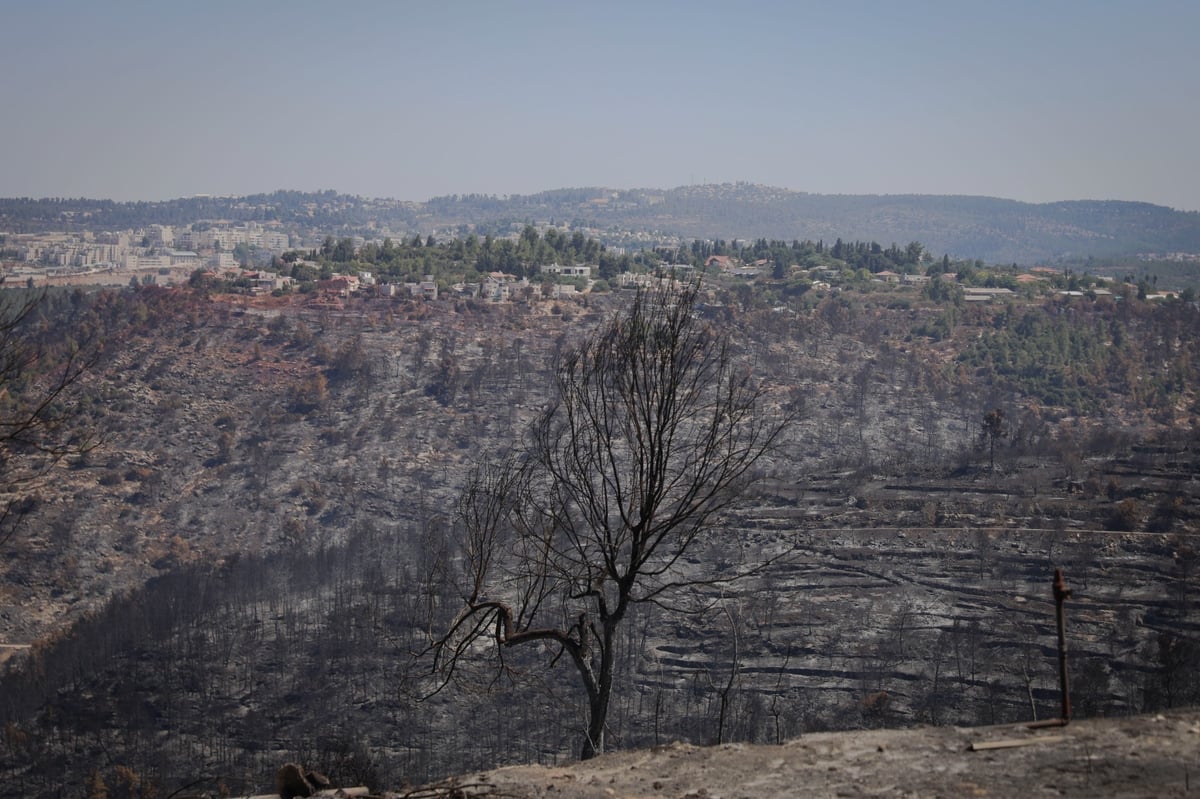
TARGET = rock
x,y
317,780
290,782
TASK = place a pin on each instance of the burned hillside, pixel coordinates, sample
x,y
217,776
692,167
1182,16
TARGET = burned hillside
x,y
240,574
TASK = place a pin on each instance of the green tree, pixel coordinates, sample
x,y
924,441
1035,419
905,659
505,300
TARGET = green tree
x,y
243,253
994,429
343,251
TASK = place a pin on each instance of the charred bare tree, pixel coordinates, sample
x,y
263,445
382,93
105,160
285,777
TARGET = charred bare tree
x,y
653,428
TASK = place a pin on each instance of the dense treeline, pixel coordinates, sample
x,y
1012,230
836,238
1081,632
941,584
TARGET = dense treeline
x,y
1082,356
1147,273
464,259
325,210
780,255
468,258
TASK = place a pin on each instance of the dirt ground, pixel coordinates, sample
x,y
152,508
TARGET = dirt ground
x,y
1144,756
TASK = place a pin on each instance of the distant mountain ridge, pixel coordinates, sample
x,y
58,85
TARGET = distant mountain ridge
x,y
987,228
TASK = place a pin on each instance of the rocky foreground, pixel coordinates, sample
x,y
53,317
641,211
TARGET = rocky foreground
x,y
1139,756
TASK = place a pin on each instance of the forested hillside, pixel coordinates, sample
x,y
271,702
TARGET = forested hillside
x,y
985,228
247,568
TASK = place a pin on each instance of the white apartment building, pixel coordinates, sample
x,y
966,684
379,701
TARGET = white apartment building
x,y
160,236
567,271
226,238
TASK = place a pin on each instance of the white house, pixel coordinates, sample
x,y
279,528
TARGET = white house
x,y
567,271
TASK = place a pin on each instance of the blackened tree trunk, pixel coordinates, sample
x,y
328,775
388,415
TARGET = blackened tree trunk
x,y
654,426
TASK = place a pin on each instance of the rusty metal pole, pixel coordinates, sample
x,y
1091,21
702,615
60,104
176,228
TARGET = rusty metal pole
x,y
1061,594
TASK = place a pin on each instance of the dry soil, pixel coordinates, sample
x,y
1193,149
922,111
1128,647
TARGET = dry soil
x,y
1146,756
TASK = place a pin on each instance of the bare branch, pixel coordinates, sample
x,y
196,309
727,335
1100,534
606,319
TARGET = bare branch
x,y
39,367
654,428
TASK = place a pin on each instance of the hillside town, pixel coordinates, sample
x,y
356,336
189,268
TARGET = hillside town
x,y
256,259
157,254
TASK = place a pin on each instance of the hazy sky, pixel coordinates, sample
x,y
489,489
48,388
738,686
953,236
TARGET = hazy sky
x,y
1039,101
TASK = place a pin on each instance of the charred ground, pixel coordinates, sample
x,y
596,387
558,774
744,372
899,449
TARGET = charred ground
x,y
238,576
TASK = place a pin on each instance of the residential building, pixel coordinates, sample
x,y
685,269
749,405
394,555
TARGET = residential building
x,y
567,271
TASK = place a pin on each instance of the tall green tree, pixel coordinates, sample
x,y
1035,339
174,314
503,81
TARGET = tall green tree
x,y
994,429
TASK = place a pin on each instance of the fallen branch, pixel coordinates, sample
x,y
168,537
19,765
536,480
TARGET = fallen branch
x,y
1012,743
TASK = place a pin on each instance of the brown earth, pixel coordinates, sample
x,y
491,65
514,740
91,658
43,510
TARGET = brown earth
x,y
1140,756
